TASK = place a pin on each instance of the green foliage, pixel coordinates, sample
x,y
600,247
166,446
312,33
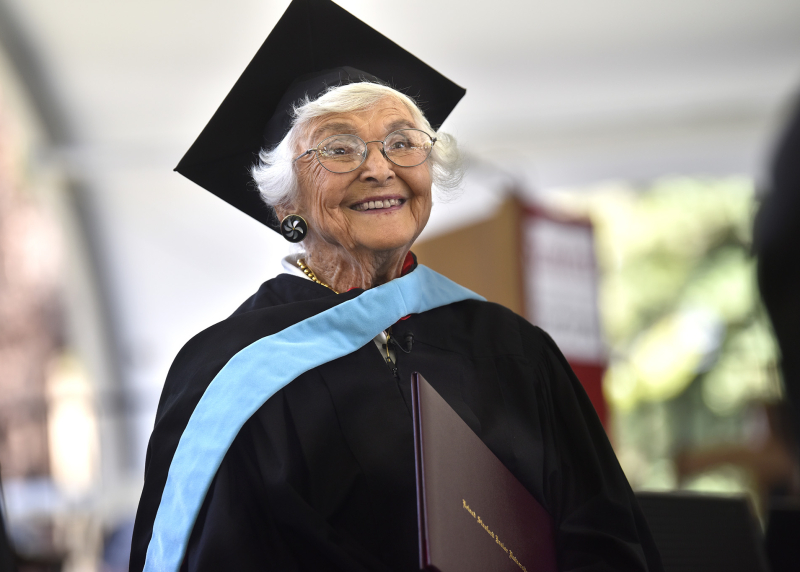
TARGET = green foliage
x,y
686,333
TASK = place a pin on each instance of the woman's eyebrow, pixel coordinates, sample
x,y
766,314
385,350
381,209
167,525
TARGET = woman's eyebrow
x,y
400,124
333,129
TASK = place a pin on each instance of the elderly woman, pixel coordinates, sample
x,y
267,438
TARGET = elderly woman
x,y
283,439
361,186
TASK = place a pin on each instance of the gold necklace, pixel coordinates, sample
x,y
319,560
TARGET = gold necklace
x,y
310,273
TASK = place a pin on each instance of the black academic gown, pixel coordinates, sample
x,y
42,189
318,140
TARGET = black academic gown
x,y
322,476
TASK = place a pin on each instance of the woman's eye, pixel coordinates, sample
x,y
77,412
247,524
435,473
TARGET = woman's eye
x,y
398,145
338,150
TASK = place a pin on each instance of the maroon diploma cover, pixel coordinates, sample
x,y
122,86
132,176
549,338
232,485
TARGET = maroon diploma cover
x,y
473,514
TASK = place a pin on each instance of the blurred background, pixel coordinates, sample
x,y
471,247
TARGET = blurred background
x,y
617,150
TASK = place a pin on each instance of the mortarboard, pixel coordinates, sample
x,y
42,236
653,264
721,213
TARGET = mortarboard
x,y
315,44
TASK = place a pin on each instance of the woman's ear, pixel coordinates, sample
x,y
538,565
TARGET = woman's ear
x,y
280,212
292,226
283,210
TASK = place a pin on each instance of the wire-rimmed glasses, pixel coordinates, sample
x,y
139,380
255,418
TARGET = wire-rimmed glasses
x,y
344,153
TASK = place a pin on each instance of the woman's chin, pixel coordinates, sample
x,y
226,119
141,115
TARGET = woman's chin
x,y
385,233
386,243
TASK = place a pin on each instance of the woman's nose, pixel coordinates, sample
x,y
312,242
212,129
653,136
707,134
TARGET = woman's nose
x,y
376,166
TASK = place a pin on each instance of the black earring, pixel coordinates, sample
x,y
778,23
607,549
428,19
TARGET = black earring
x,y
294,228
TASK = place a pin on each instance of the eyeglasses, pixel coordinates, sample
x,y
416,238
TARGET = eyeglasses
x,y
345,153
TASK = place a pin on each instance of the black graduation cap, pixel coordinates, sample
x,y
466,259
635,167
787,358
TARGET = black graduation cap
x,y
315,44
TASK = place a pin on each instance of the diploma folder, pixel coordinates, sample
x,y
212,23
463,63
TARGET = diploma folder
x,y
473,514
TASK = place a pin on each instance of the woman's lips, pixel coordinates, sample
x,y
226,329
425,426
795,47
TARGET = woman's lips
x,y
378,205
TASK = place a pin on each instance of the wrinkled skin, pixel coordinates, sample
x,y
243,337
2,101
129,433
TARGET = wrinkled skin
x,y
349,248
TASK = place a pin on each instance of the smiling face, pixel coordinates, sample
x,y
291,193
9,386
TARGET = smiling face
x,y
379,207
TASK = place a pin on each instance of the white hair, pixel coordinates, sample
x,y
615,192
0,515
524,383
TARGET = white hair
x,y
276,177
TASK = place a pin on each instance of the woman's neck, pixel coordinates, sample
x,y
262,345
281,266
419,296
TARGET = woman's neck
x,y
343,270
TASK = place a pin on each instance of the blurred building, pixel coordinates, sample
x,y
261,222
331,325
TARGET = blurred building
x,y
31,331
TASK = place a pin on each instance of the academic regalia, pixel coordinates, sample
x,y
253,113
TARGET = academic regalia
x,y
262,458
322,476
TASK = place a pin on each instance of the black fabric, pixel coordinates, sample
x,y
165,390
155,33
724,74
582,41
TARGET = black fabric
x,y
705,533
322,476
315,44
777,244
7,556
